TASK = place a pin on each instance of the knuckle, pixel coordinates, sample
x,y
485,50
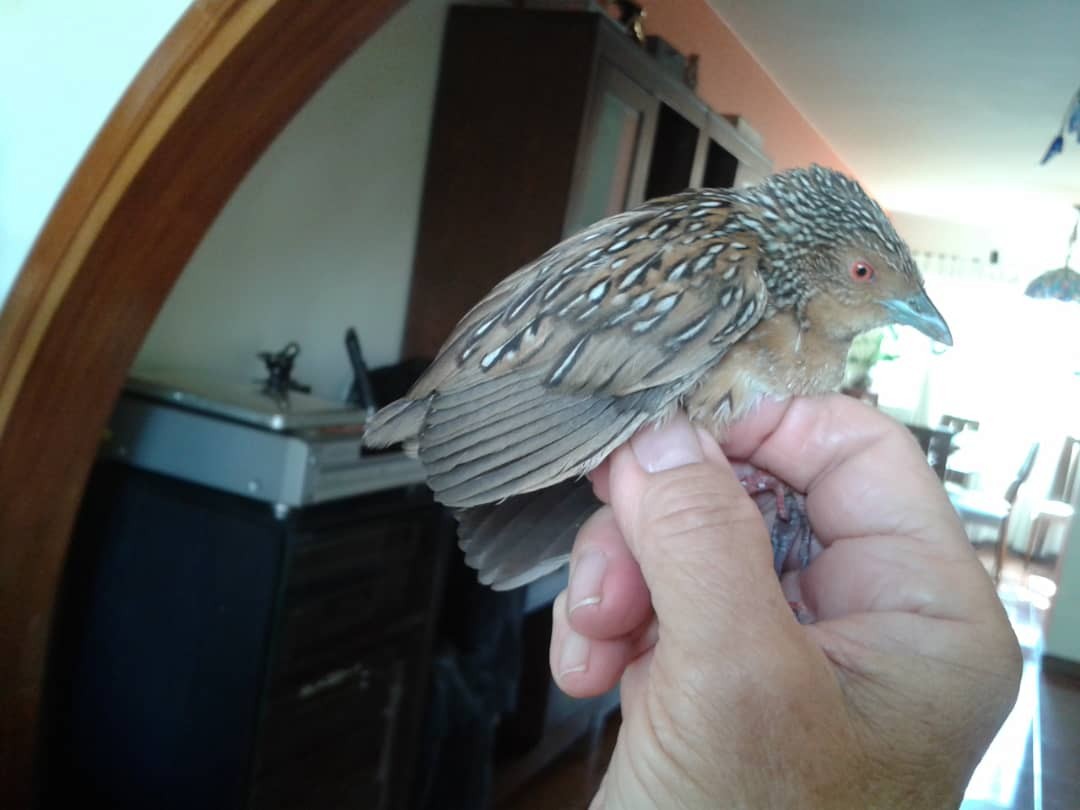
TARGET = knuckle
x,y
695,501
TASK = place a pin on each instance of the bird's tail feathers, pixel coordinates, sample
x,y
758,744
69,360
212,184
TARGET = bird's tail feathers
x,y
397,423
522,538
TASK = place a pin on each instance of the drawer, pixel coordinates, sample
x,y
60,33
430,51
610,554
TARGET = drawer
x,y
357,550
352,705
326,632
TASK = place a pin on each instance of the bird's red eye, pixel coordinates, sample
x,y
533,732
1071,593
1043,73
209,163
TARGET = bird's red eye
x,y
861,271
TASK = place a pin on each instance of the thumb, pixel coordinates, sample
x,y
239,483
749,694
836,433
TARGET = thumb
x,y
699,539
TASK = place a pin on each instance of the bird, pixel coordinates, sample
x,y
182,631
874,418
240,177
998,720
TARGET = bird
x,y
707,300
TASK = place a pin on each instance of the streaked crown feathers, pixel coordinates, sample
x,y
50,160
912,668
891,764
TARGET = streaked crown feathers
x,y
816,207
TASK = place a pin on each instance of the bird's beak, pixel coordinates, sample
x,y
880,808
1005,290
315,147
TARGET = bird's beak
x,y
919,312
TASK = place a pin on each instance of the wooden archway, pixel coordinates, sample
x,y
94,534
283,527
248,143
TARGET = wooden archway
x,y
214,94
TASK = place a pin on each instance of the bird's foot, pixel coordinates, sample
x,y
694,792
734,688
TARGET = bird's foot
x,y
784,512
790,532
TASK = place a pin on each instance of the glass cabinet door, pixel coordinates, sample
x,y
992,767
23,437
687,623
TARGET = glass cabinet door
x,y
613,159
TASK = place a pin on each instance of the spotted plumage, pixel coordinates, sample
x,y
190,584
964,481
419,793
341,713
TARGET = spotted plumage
x,y
707,300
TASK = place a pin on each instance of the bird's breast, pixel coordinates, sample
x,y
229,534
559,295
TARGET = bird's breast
x,y
776,359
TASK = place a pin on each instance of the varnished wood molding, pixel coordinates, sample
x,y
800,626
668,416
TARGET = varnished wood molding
x,y
210,99
1065,669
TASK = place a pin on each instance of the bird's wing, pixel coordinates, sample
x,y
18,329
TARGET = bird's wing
x,y
562,361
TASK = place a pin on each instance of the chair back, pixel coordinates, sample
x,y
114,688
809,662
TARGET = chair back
x,y
1022,474
1065,483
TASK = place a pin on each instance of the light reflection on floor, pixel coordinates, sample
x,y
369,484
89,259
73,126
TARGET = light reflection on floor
x,y
1010,775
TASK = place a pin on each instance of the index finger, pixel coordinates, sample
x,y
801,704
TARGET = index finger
x,y
863,473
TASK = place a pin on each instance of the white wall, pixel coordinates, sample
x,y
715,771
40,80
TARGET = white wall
x,y
1027,244
927,236
63,66
320,234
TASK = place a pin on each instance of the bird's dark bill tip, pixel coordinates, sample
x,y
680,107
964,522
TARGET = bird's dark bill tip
x,y
919,312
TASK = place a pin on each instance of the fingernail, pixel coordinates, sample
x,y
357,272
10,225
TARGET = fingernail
x,y
587,579
675,444
575,654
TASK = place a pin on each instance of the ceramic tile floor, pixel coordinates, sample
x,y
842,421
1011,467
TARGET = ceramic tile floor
x,y
1033,763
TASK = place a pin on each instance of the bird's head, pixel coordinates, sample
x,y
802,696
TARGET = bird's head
x,y
829,246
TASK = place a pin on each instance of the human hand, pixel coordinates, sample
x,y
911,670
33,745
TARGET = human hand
x,y
889,699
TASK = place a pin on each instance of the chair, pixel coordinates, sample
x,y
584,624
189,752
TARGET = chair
x,y
958,423
962,430
936,444
980,508
1022,475
1057,509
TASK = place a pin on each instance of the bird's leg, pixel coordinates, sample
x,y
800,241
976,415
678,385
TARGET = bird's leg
x,y
793,534
790,531
784,512
757,482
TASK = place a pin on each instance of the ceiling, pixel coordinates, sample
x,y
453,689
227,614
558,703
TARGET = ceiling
x,y
941,108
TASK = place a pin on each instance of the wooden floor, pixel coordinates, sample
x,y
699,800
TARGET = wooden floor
x,y
1033,764
1060,738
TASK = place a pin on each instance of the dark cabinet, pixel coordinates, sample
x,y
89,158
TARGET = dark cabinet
x,y
610,175
546,121
210,653
733,158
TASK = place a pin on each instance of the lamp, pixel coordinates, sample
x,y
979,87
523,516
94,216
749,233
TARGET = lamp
x,y
1062,284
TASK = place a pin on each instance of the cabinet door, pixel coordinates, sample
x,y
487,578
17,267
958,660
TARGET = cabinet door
x,y
613,159
733,159
678,152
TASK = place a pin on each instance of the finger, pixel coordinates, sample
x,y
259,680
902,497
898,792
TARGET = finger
x,y
584,667
601,476
599,479
891,574
893,541
748,434
864,473
606,597
698,538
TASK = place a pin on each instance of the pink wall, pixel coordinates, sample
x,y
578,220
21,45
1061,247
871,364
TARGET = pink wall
x,y
731,81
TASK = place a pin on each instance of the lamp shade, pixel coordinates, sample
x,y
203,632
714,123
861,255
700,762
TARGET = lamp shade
x,y
1062,284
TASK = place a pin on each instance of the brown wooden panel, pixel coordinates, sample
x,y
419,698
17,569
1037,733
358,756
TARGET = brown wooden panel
x,y
206,104
508,117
